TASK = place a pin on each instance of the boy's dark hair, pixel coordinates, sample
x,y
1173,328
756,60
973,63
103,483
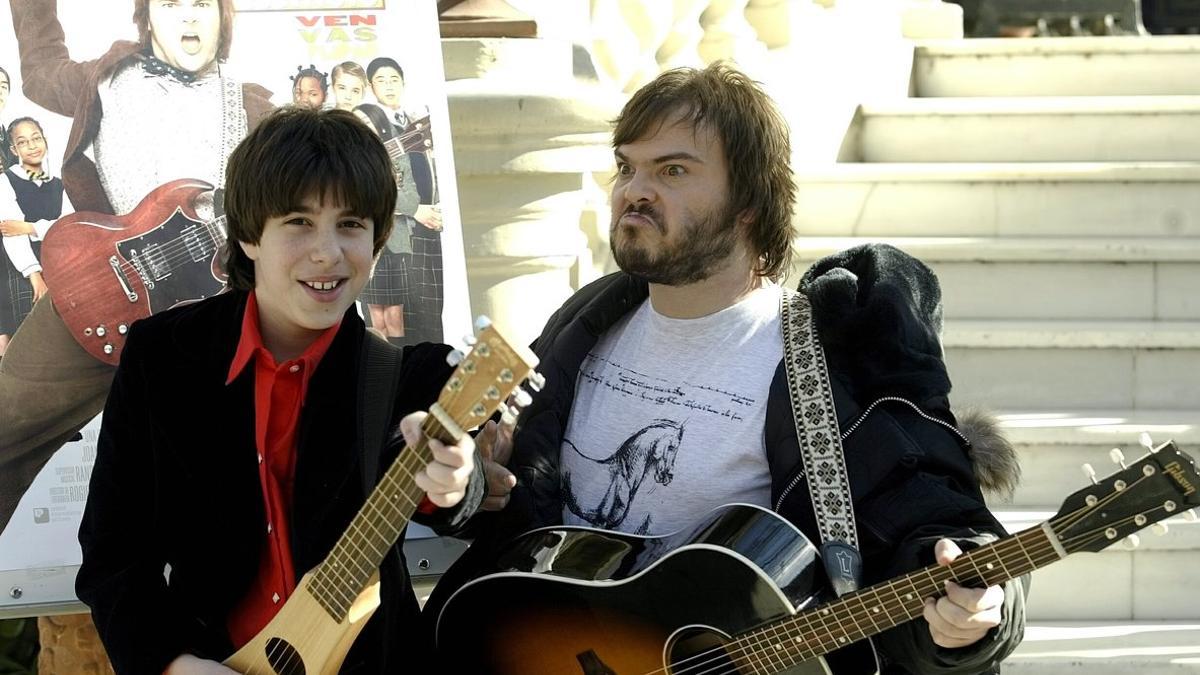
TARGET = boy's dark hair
x,y
141,18
383,62
752,133
296,153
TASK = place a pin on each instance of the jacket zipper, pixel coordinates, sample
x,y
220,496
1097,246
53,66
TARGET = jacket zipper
x,y
858,422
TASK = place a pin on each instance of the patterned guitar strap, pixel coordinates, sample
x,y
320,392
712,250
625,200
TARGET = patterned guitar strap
x,y
820,443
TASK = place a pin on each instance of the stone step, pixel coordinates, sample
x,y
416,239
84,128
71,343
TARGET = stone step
x,y
1073,199
1053,447
1029,129
1049,365
1152,582
1047,278
1134,66
1108,648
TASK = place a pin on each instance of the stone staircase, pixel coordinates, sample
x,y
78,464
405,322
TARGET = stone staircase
x,y
1054,186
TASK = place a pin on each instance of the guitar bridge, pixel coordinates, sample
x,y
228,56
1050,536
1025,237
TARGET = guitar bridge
x,y
140,266
115,264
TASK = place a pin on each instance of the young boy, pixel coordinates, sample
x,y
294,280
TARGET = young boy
x,y
227,464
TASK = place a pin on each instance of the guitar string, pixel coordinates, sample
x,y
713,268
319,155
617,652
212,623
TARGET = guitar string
x,y
754,650
268,657
402,460
1047,555
1044,551
100,287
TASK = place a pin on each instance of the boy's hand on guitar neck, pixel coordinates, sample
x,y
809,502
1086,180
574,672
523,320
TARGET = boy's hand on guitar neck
x,y
445,479
495,447
186,664
964,615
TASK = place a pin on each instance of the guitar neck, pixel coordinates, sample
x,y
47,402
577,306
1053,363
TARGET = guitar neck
x,y
344,573
872,610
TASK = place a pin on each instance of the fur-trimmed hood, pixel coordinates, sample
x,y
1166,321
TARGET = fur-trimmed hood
x,y
879,314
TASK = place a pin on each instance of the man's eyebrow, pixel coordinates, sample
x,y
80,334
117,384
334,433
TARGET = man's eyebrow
x,y
669,157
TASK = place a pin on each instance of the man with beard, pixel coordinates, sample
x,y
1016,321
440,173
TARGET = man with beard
x,y
145,113
666,394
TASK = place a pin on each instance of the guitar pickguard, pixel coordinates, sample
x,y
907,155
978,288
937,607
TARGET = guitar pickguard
x,y
173,261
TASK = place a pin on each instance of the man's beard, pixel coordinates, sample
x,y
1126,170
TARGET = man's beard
x,y
703,246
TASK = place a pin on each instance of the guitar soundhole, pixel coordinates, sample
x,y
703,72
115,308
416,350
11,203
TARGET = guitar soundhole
x,y
699,650
284,658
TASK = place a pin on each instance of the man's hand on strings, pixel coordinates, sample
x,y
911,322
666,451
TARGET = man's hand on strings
x,y
962,616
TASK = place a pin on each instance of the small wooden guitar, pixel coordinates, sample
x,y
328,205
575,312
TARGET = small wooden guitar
x,y
316,627
740,591
108,271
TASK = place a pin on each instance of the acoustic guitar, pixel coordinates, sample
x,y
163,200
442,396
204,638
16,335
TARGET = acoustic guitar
x,y
743,591
315,628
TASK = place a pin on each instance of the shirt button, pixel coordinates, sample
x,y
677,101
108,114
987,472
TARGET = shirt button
x,y
295,368
269,528
260,458
275,598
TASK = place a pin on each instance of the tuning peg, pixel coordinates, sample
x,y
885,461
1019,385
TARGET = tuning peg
x,y
454,358
469,340
1090,473
482,323
522,398
536,381
1146,441
1131,542
1159,528
1189,515
506,416
1117,457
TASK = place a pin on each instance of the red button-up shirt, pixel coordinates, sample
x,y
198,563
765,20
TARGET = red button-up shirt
x,y
279,392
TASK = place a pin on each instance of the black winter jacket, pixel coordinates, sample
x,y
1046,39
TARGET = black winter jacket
x,y
912,471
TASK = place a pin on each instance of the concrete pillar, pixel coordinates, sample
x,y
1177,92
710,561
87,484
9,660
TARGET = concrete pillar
x,y
525,133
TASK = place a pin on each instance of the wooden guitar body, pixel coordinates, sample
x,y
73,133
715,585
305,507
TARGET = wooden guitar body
x,y
105,271
303,639
578,601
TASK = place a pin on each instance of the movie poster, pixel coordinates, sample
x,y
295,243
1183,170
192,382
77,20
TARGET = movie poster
x,y
380,59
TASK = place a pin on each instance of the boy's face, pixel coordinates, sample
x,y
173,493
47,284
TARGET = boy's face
x,y
309,266
388,86
347,91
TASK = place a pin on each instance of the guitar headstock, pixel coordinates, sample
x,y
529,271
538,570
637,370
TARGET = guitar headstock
x,y
485,378
1160,485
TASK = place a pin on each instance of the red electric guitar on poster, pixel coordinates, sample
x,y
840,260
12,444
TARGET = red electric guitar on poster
x,y
108,271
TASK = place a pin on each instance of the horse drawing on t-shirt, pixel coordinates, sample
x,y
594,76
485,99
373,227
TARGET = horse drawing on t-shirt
x,y
650,449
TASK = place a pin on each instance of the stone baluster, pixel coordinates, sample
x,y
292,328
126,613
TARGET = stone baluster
x,y
525,133
626,36
681,45
728,35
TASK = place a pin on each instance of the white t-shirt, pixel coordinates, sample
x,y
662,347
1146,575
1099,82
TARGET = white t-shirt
x,y
669,415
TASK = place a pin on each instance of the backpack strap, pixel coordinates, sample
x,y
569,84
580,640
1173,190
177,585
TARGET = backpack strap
x,y
378,379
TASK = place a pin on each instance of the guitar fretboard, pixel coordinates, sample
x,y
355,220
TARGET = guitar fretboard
x,y
870,611
344,573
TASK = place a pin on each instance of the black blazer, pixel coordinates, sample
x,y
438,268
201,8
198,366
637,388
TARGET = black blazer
x,y
174,522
